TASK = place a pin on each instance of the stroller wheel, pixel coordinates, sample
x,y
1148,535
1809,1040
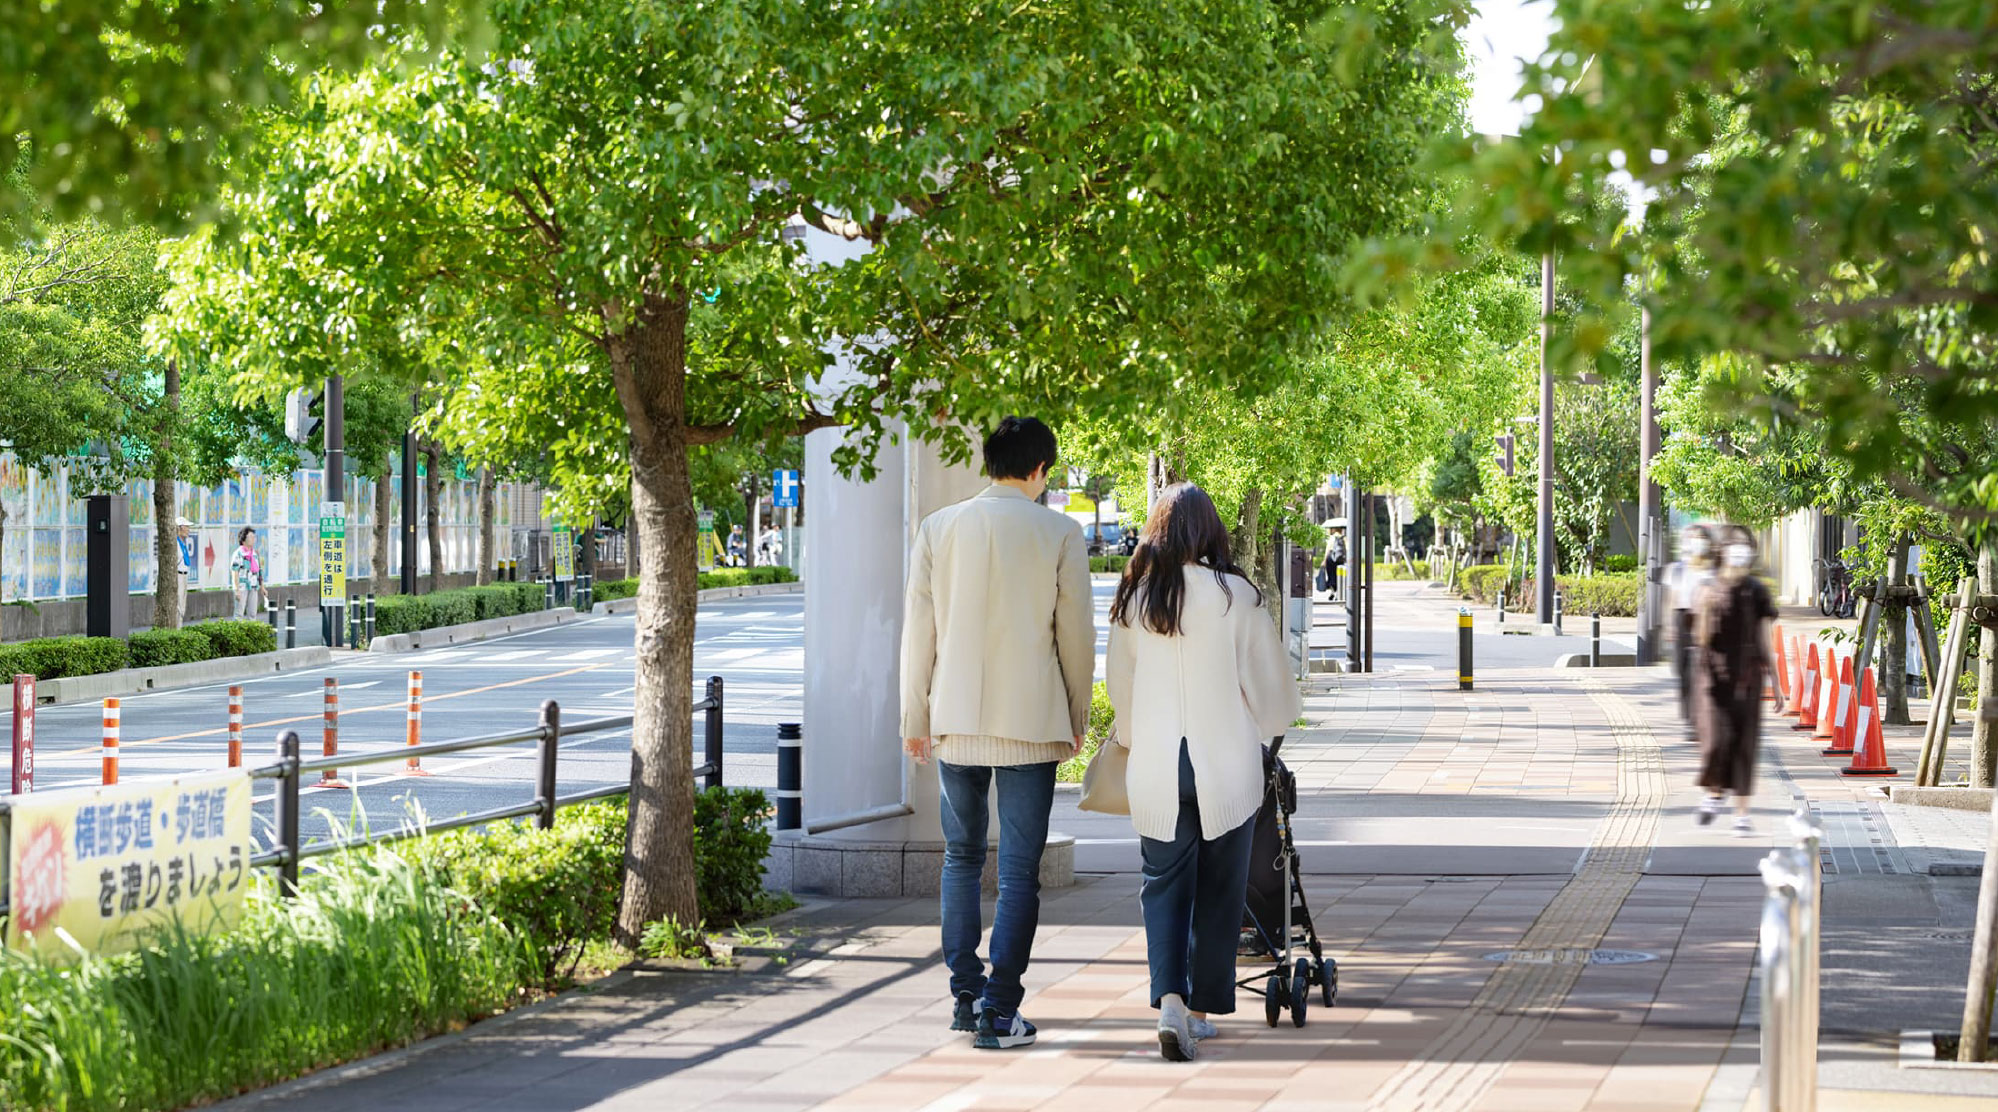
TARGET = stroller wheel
x,y
1300,992
1328,980
1275,995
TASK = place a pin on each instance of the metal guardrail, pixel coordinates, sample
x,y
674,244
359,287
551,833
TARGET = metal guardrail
x,y
547,734
1789,966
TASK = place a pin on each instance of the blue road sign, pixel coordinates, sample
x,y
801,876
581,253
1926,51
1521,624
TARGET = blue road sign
x,y
783,488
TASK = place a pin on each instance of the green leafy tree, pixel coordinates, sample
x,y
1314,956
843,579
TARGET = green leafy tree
x,y
1050,205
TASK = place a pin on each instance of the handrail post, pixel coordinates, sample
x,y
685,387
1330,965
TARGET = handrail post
x,y
714,733
551,743
285,805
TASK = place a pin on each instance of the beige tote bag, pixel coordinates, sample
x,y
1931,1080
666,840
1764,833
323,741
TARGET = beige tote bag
x,y
1103,788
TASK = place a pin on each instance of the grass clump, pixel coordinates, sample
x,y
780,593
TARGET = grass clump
x,y
373,954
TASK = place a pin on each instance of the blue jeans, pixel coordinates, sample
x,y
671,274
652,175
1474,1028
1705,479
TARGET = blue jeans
x,y
1026,795
1193,894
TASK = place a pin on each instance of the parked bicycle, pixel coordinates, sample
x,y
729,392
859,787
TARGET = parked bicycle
x,y
1835,595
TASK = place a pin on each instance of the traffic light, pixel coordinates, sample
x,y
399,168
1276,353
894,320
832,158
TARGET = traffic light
x,y
300,425
1504,442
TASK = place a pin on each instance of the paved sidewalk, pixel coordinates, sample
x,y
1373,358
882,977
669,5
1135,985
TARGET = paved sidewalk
x,y
1548,813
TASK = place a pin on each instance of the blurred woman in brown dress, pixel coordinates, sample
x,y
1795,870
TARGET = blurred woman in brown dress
x,y
1731,639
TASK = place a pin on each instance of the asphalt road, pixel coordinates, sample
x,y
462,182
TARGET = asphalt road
x,y
755,644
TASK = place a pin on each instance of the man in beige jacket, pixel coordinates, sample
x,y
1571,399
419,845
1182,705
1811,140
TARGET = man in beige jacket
x,y
998,663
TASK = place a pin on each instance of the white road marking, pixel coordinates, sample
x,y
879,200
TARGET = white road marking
x,y
515,654
589,654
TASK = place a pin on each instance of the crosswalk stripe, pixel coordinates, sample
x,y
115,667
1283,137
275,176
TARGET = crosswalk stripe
x,y
589,654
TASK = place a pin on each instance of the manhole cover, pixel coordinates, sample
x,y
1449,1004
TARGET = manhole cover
x,y
1569,956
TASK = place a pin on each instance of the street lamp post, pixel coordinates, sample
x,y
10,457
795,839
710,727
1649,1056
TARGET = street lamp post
x,y
1648,538
1543,549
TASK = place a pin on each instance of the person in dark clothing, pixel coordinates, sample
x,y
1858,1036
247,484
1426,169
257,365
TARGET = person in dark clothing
x,y
1731,662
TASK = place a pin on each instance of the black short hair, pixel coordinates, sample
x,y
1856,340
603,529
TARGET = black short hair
x,y
1018,447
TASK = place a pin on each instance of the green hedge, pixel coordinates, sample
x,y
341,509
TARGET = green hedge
x,y
1483,582
50,658
169,646
1111,564
612,589
237,637
1611,595
1397,570
409,613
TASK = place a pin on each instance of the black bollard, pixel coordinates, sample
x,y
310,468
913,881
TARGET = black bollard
x,y
371,616
270,614
1557,613
1501,618
1595,640
1463,648
291,623
790,776
354,621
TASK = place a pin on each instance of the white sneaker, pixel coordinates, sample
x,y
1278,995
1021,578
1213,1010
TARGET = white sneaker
x,y
1710,807
1176,1041
1202,1030
1744,827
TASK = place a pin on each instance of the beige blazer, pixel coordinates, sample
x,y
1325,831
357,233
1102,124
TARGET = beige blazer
x,y
1223,684
998,634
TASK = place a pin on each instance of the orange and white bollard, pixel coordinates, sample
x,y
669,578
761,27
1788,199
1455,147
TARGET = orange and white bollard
x,y
1807,707
1828,698
1778,680
110,742
330,778
414,766
235,726
1846,714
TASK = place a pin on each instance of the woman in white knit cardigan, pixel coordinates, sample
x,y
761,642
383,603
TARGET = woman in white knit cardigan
x,y
1198,679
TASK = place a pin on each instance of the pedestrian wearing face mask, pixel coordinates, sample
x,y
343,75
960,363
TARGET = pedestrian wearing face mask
x,y
1731,662
1684,579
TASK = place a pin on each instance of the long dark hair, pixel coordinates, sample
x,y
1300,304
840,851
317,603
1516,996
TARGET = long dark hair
x,y
1184,528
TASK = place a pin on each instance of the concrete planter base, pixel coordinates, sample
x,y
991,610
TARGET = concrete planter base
x,y
471,631
1954,798
713,594
826,866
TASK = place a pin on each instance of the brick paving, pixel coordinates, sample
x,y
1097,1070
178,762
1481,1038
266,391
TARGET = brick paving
x,y
1548,812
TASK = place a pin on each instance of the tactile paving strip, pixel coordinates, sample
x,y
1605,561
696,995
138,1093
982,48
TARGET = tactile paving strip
x,y
1463,1061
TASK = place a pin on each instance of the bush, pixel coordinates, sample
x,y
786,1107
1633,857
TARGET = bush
x,y
1111,564
1398,570
169,646
731,839
1608,595
52,658
740,577
1102,718
557,889
1483,582
616,589
1619,563
237,637
409,613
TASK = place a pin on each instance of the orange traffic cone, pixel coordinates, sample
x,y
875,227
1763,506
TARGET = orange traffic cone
x,y
1827,697
1846,713
1793,677
1779,677
1807,703
1870,757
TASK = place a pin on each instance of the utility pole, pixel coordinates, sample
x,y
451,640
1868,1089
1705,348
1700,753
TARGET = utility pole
x,y
1648,515
409,498
1543,549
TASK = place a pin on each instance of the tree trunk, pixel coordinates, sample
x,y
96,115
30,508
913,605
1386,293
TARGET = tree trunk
x,y
487,557
166,546
378,560
1894,646
1983,736
649,365
433,518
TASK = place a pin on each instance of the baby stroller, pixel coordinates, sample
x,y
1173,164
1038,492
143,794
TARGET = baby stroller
x,y
1277,920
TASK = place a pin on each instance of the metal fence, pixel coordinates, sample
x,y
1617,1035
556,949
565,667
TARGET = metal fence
x,y
1789,967
547,734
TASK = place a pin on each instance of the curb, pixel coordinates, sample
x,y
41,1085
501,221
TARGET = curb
x,y
471,631
1610,660
136,681
712,594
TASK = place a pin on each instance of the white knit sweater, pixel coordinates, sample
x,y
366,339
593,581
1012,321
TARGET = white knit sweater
x,y
1223,684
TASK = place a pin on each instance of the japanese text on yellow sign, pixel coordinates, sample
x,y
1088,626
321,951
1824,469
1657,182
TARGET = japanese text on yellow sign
x,y
332,554
565,555
102,865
